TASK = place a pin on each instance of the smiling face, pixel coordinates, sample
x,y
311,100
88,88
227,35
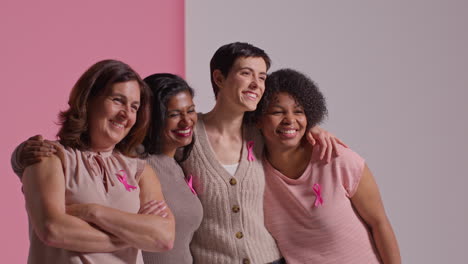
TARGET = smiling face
x,y
180,119
112,115
244,85
284,123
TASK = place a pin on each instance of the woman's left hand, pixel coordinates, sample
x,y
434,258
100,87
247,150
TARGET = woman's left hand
x,y
326,140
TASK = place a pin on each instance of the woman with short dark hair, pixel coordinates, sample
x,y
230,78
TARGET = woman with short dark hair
x,y
226,162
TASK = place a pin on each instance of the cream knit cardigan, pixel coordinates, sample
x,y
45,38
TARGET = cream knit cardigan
x,y
232,229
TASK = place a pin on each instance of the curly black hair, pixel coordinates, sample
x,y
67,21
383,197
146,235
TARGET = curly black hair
x,y
163,86
301,88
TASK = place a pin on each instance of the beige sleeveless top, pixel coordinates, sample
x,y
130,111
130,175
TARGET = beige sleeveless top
x,y
92,177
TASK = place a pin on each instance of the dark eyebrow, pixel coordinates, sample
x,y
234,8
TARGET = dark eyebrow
x,y
250,69
177,110
276,105
124,97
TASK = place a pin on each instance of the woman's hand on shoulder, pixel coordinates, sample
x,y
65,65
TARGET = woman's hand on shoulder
x,y
327,141
34,150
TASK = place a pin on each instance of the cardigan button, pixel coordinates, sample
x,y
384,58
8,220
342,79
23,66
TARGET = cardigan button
x,y
235,208
233,181
239,235
246,261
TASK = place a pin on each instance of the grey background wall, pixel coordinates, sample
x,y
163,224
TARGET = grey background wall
x,y
395,77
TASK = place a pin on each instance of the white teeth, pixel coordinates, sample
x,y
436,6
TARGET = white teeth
x,y
117,124
292,131
183,131
252,95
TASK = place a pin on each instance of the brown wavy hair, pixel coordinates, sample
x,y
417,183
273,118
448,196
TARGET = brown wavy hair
x,y
95,82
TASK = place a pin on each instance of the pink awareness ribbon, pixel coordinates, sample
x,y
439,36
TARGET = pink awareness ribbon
x,y
190,184
250,155
317,191
123,179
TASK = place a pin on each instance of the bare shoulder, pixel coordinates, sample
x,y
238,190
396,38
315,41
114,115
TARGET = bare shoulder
x,y
148,176
46,175
52,161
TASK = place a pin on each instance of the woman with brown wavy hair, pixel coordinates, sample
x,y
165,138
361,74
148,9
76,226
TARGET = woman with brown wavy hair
x,y
92,202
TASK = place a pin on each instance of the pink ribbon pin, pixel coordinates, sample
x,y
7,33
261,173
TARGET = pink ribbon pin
x,y
317,190
190,184
123,179
250,155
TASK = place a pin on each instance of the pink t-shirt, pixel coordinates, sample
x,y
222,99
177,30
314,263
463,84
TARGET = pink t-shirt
x,y
308,231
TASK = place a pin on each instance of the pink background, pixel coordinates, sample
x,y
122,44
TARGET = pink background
x,y
45,46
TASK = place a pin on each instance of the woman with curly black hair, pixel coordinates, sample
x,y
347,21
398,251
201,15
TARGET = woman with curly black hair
x,y
317,212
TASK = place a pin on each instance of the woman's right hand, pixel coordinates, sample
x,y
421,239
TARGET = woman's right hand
x,y
155,208
34,149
